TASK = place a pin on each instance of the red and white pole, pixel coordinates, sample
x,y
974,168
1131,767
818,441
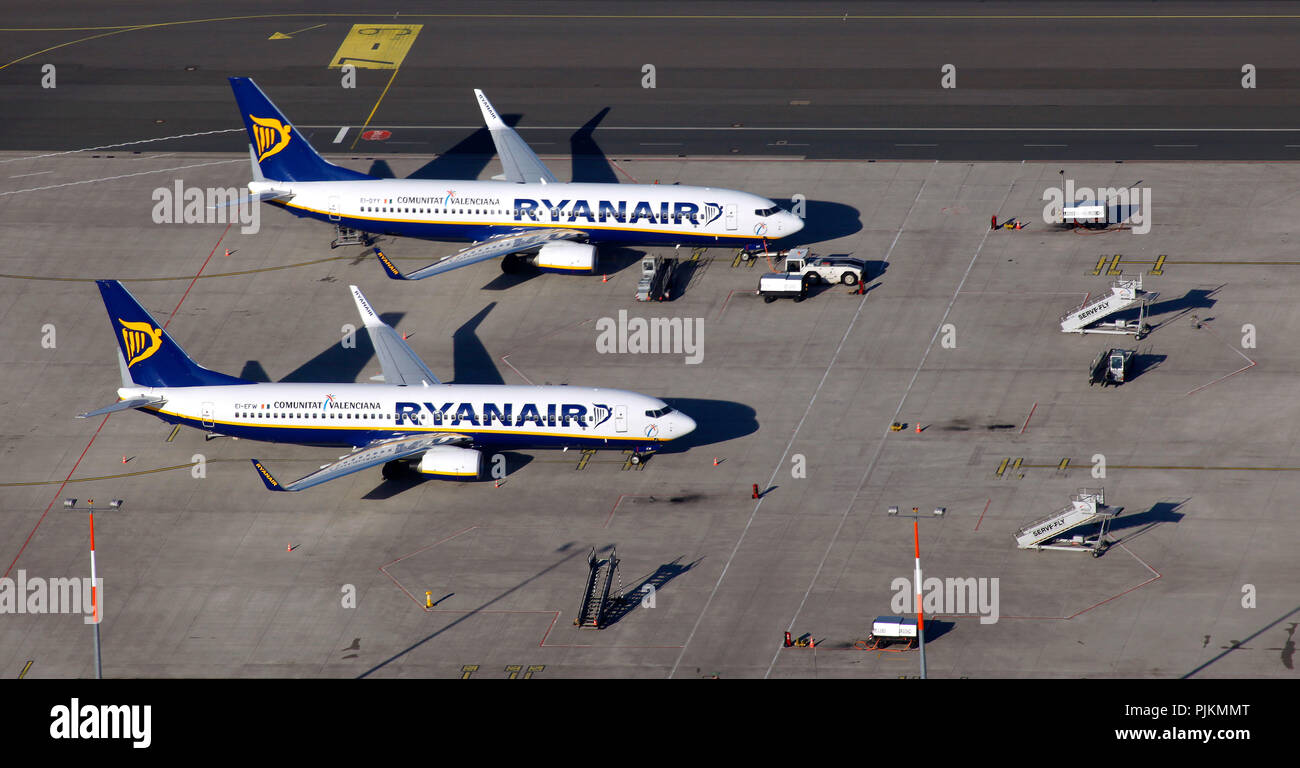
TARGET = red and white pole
x,y
94,595
920,613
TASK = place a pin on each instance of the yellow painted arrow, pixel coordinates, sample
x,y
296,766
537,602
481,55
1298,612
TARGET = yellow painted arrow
x,y
289,35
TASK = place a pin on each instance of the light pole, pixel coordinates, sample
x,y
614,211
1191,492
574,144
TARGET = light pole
x,y
94,596
916,542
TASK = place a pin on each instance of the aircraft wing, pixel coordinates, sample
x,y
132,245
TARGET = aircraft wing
x,y
124,405
521,164
499,245
400,364
370,456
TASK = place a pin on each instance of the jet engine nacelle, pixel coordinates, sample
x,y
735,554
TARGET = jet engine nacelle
x,y
450,461
567,256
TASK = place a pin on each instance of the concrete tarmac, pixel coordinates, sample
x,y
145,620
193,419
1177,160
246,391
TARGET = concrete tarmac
x,y
957,332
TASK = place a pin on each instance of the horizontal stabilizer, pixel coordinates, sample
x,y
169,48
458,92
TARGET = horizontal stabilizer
x,y
124,405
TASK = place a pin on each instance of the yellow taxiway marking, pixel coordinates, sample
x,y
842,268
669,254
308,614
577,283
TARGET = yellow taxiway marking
x,y
532,668
586,457
175,430
468,670
26,667
376,46
514,670
1002,467
1065,463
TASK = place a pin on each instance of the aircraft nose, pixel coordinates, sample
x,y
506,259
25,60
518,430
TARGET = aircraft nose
x,y
685,425
793,223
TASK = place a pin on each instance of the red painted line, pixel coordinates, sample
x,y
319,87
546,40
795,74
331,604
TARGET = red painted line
x,y
1221,378
1156,577
620,501
506,357
625,173
57,493
224,232
724,303
986,509
50,506
1027,418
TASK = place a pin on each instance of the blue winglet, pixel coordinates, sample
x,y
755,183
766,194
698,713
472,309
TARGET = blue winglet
x,y
267,478
390,268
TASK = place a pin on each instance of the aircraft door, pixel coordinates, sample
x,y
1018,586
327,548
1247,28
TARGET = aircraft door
x,y
206,414
730,215
334,208
620,418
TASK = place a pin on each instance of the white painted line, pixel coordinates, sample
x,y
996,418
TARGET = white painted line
x,y
123,176
23,175
338,138
122,144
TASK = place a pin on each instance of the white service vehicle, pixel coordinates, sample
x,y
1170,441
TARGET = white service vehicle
x,y
774,285
886,630
832,269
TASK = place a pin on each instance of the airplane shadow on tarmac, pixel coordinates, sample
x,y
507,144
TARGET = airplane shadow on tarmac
x,y
336,365
823,220
716,421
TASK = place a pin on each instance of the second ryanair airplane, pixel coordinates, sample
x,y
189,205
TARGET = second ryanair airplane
x,y
411,421
528,217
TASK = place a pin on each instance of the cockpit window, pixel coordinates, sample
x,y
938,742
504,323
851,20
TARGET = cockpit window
x,y
667,409
765,212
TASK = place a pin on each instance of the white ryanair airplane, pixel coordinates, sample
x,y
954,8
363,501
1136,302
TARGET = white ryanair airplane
x,y
528,216
411,421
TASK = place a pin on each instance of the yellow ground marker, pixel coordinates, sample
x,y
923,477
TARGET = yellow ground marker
x,y
468,670
376,46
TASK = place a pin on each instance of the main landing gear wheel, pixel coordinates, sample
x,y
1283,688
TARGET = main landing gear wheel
x,y
636,458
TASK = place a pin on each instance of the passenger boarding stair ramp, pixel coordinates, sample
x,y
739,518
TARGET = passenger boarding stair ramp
x,y
596,599
1086,506
1124,293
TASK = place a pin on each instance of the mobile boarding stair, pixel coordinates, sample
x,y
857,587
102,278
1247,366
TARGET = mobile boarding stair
x,y
1086,506
1125,292
595,600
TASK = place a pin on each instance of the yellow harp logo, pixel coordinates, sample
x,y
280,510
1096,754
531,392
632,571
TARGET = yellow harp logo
x,y
140,339
271,134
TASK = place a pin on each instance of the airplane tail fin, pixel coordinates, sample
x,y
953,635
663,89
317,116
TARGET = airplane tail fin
x,y
152,358
279,150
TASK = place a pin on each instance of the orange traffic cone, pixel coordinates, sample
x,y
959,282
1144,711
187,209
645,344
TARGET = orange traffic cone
x,y
496,483
918,428
124,459
715,461
604,278
288,547
227,253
